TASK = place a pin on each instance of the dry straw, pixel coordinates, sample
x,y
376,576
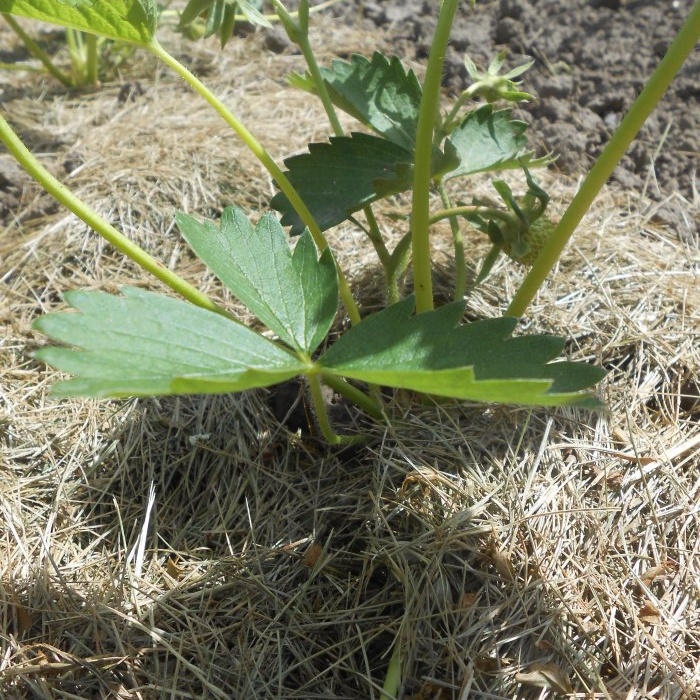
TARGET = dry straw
x,y
196,548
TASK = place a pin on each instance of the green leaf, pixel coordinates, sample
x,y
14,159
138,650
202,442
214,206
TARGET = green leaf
x,y
295,295
480,361
132,21
379,93
193,9
490,140
215,17
339,178
145,344
250,9
228,24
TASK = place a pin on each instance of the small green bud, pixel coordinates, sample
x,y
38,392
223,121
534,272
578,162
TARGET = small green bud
x,y
295,31
491,86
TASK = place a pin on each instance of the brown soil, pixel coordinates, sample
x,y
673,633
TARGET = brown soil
x,y
592,57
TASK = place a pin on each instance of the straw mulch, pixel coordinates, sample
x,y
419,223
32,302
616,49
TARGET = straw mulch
x,y
196,548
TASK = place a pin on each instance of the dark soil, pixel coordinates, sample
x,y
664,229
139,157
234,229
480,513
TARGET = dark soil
x,y
592,57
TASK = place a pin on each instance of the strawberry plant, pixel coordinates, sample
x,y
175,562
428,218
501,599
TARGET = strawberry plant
x,y
140,343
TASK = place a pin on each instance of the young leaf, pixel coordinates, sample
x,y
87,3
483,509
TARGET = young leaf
x,y
339,178
215,17
221,16
132,21
379,93
250,9
491,140
193,10
432,353
143,344
295,295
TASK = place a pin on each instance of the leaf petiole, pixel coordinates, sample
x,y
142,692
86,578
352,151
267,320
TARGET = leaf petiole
x,y
458,245
63,195
355,395
427,118
257,149
299,33
324,423
470,209
661,78
36,51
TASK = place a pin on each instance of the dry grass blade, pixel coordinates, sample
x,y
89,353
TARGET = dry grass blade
x,y
195,548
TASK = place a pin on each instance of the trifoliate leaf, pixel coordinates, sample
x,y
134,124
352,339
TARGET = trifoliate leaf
x,y
481,361
295,295
341,177
379,92
145,344
132,21
490,140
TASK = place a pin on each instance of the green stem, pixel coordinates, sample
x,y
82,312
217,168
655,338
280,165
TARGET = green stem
x,y
392,680
248,139
458,243
429,110
650,96
374,234
61,193
92,61
268,163
324,423
74,42
375,237
357,396
398,263
36,51
447,125
319,83
300,34
470,209
302,40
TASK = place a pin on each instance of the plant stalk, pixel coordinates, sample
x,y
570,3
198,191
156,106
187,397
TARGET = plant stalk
x,y
36,51
392,680
266,160
92,60
398,262
315,73
74,42
458,244
63,195
645,103
355,395
427,117
373,233
448,123
324,423
375,237
470,209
